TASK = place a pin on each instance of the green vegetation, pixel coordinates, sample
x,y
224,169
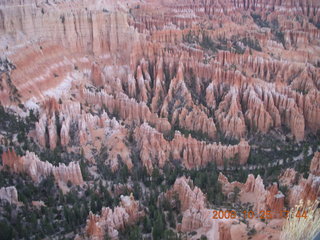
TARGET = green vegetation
x,y
5,68
61,213
259,21
190,38
209,44
279,37
221,43
11,124
317,24
254,44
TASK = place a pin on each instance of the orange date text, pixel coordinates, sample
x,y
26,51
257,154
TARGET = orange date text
x,y
263,214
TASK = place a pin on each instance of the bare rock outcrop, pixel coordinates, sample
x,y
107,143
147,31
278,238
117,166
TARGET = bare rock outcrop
x,y
254,192
38,169
230,117
184,113
193,203
226,186
275,199
195,215
128,109
82,129
224,231
189,196
300,188
315,164
254,189
191,152
9,194
59,50
111,221
306,190
96,75
289,177
116,146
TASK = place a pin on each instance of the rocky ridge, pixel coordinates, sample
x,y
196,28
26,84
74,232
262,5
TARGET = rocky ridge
x,y
37,169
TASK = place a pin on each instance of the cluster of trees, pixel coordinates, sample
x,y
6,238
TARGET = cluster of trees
x,y
162,215
252,43
259,21
191,38
222,44
279,35
214,46
317,24
11,124
274,25
62,213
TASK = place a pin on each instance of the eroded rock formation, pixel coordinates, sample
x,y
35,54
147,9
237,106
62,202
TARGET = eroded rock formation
x,y
193,202
109,77
315,164
289,177
9,194
84,129
111,221
195,215
300,188
191,152
226,186
254,192
37,169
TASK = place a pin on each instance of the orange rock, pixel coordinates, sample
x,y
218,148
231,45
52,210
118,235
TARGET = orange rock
x,y
315,164
96,75
275,199
289,177
253,191
155,150
9,194
224,231
38,170
306,190
226,186
301,188
110,221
